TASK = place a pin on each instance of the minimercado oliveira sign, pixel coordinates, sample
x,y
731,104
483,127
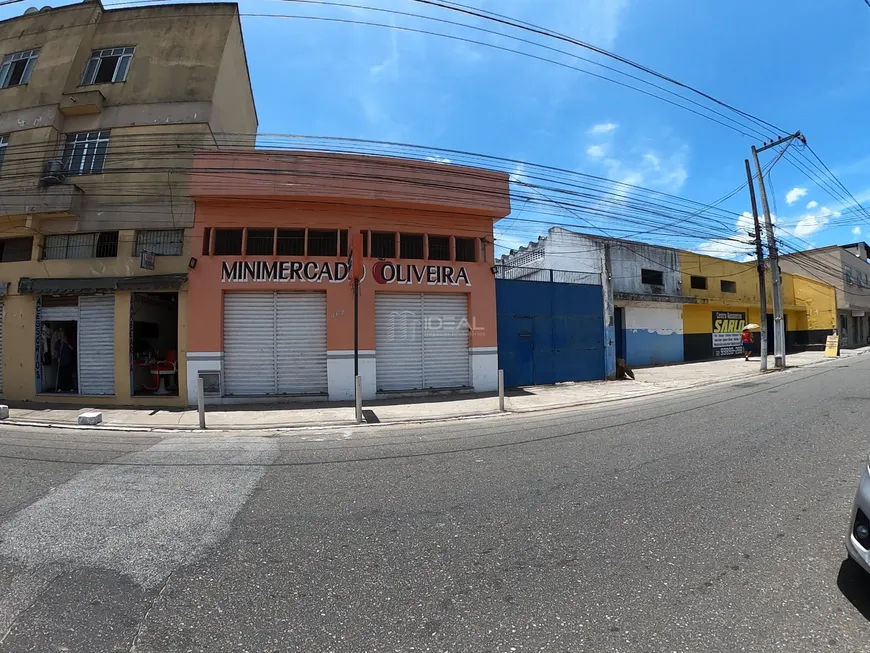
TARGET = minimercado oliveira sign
x,y
383,272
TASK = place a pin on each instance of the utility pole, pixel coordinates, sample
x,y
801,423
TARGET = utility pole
x,y
759,255
776,277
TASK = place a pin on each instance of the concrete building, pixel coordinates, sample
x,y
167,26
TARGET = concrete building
x,y
100,114
271,301
844,267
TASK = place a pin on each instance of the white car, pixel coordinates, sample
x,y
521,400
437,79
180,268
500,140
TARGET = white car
x,y
858,537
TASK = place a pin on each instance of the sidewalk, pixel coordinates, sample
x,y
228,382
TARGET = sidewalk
x,y
647,381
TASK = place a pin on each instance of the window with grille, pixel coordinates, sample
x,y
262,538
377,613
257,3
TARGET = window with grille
x,y
465,249
652,277
291,242
163,242
439,248
228,242
322,243
16,68
71,246
4,142
108,65
260,242
411,246
15,249
85,152
383,245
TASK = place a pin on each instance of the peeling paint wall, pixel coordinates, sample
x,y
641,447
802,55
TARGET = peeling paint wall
x,y
653,336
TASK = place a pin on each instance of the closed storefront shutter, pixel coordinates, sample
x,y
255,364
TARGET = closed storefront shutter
x,y
398,341
274,343
249,343
96,341
421,341
301,342
445,341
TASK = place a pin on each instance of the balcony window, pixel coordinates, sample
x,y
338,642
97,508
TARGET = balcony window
x,y
162,242
16,68
107,66
85,152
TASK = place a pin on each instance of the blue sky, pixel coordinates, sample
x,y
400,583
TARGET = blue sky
x,y
801,64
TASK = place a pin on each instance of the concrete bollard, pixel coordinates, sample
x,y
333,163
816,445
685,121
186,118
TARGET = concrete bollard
x,y
90,419
200,401
4,412
357,391
501,390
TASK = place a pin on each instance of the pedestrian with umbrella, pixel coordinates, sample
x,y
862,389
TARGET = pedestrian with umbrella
x,y
746,337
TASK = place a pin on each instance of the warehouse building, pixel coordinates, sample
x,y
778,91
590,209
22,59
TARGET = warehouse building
x,y
271,298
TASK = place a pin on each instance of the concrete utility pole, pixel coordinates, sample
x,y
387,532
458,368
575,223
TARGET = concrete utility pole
x,y
759,255
776,277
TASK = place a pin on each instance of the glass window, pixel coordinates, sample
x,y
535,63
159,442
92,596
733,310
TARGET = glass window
x,y
411,246
85,152
323,243
228,242
848,271
652,277
383,245
4,143
291,242
260,242
439,248
466,249
108,65
16,68
15,249
162,242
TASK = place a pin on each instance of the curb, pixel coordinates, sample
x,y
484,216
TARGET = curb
x,y
332,425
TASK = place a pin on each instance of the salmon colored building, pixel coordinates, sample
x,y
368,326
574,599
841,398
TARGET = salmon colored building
x,y
271,302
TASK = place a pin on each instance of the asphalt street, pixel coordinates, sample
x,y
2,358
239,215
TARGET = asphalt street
x,y
710,520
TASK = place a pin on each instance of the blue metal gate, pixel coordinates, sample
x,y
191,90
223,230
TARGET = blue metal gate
x,y
549,332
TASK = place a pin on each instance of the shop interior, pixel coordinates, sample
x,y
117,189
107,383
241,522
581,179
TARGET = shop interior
x,y
59,356
154,343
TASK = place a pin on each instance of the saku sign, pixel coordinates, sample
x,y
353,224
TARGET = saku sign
x,y
383,272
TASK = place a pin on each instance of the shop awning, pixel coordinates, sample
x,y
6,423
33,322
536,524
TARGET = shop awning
x,y
61,286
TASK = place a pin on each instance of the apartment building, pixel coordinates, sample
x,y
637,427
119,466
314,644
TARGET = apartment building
x,y
101,114
845,267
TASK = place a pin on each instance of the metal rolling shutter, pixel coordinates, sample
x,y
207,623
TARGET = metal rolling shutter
x,y
398,341
445,341
301,342
96,346
249,343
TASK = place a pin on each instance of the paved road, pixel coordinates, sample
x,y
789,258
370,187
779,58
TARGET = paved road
x,y
709,521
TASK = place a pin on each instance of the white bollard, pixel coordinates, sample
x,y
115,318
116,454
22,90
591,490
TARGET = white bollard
x,y
200,402
90,419
357,391
4,412
501,390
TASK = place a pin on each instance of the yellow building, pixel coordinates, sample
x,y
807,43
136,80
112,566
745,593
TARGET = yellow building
x,y
726,297
101,112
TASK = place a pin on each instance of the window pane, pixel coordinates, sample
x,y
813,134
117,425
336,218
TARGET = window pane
x,y
90,71
107,244
652,277
465,249
122,68
383,245
163,242
260,242
15,249
4,73
728,286
439,248
4,142
99,158
699,283
411,246
106,70
322,243
228,242
291,242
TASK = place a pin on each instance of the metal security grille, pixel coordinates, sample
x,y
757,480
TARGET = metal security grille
x,y
163,242
73,246
85,152
108,65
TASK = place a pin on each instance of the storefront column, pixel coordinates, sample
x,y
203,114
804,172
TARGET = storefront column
x,y
122,344
19,347
483,334
182,347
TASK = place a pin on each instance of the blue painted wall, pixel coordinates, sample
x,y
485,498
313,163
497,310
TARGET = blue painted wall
x,y
549,332
644,348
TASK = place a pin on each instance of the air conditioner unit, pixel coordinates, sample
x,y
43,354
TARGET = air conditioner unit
x,y
53,172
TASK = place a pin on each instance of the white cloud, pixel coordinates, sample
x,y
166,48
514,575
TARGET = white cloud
x,y
856,231
519,174
438,159
812,205
604,128
811,223
794,195
653,170
595,151
740,246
